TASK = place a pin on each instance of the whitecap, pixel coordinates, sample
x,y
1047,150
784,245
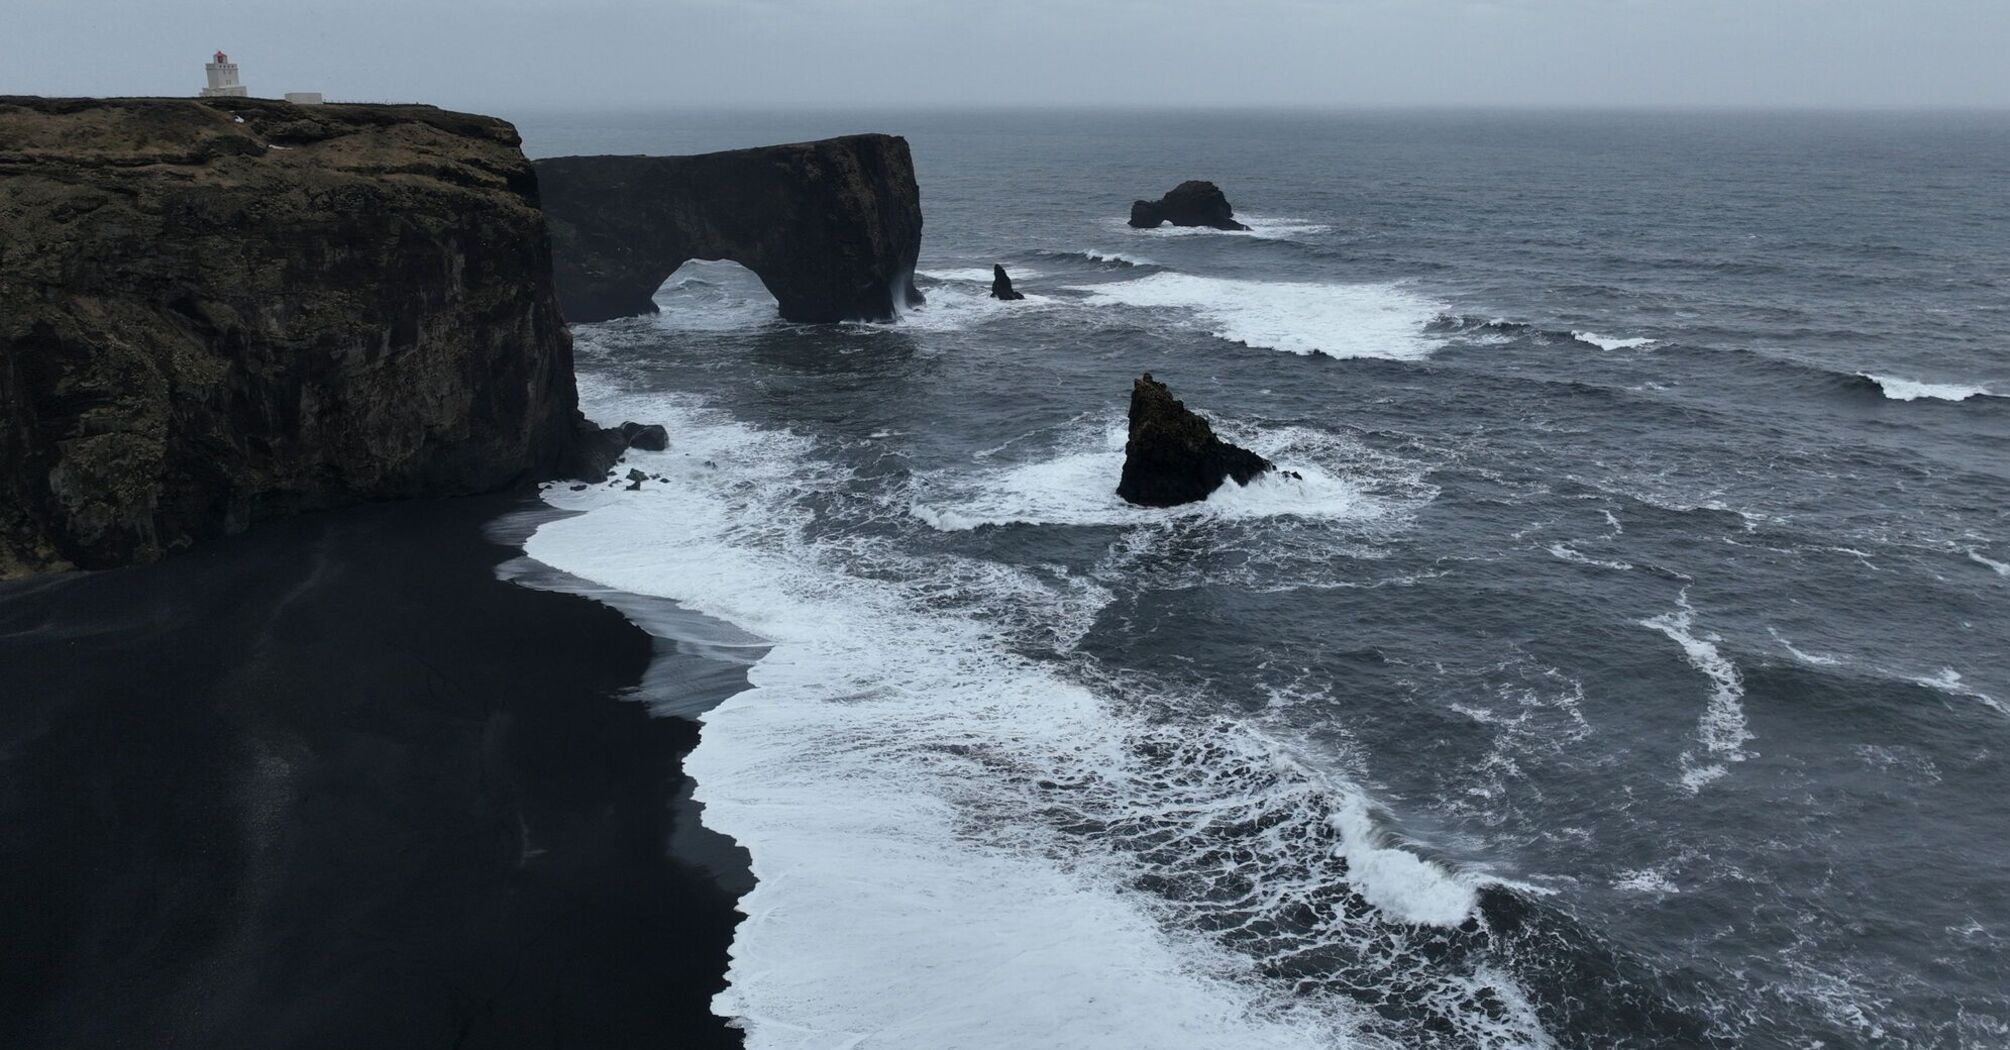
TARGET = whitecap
x,y
1912,390
1811,659
1115,258
1606,342
1645,880
1948,680
1565,552
2002,569
1338,320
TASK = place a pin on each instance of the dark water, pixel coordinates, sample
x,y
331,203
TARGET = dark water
x,y
1629,670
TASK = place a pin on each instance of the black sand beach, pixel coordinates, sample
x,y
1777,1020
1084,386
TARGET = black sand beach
x,y
331,783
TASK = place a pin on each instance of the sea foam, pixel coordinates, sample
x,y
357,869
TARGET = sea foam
x,y
1076,484
1338,320
1721,730
1261,227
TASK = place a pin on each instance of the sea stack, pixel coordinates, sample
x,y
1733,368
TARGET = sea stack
x,y
832,227
1001,284
1191,203
1172,456
217,311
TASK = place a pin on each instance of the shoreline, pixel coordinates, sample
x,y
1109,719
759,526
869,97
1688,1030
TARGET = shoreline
x,y
338,781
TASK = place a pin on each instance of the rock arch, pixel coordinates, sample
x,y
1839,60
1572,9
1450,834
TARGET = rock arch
x,y
832,227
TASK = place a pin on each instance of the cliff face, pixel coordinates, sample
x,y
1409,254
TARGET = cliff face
x,y
833,227
216,311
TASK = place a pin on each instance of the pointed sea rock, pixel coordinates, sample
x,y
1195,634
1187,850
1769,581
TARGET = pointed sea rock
x,y
1172,456
1001,285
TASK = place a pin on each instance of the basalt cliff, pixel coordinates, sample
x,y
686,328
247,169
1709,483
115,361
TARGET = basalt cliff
x,y
832,227
222,310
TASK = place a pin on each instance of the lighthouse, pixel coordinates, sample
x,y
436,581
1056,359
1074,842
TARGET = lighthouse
x,y
223,79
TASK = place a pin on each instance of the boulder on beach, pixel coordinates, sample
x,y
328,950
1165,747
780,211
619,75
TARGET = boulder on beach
x,y
1172,456
1001,284
1191,203
595,449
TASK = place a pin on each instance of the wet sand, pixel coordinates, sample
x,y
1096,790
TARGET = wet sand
x,y
332,783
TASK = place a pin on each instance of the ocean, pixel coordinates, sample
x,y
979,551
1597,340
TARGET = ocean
x,y
1629,668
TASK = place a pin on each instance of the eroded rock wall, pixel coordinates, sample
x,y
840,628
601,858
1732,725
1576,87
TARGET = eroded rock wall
x,y
832,227
220,310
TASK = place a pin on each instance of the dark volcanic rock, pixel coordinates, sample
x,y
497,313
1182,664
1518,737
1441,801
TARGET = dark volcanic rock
x,y
1192,203
831,227
1172,456
649,438
1001,285
217,311
595,449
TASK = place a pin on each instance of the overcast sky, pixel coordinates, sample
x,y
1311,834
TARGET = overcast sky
x,y
502,55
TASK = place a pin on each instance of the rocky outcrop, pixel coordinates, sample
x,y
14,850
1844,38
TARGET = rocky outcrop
x,y
1172,455
1192,203
221,310
1001,284
832,228
595,450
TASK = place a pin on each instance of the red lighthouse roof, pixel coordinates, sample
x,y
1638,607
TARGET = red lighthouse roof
x,y
221,58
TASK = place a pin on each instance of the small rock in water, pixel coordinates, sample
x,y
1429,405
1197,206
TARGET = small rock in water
x,y
635,479
1001,285
1191,203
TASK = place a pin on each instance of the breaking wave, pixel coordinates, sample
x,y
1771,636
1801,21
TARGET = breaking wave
x,y
1913,390
1337,320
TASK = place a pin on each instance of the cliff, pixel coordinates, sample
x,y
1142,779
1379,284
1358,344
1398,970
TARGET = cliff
x,y
832,227
221,310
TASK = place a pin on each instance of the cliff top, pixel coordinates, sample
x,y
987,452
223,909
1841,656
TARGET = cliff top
x,y
45,134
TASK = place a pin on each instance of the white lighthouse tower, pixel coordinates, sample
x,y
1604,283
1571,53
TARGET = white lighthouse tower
x,y
223,79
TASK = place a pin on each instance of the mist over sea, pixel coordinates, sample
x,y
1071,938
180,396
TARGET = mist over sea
x,y
1627,670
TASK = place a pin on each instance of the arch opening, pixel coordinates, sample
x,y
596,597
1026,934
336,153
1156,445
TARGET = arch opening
x,y
715,295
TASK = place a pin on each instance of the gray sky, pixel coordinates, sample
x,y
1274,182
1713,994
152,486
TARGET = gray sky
x,y
500,55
